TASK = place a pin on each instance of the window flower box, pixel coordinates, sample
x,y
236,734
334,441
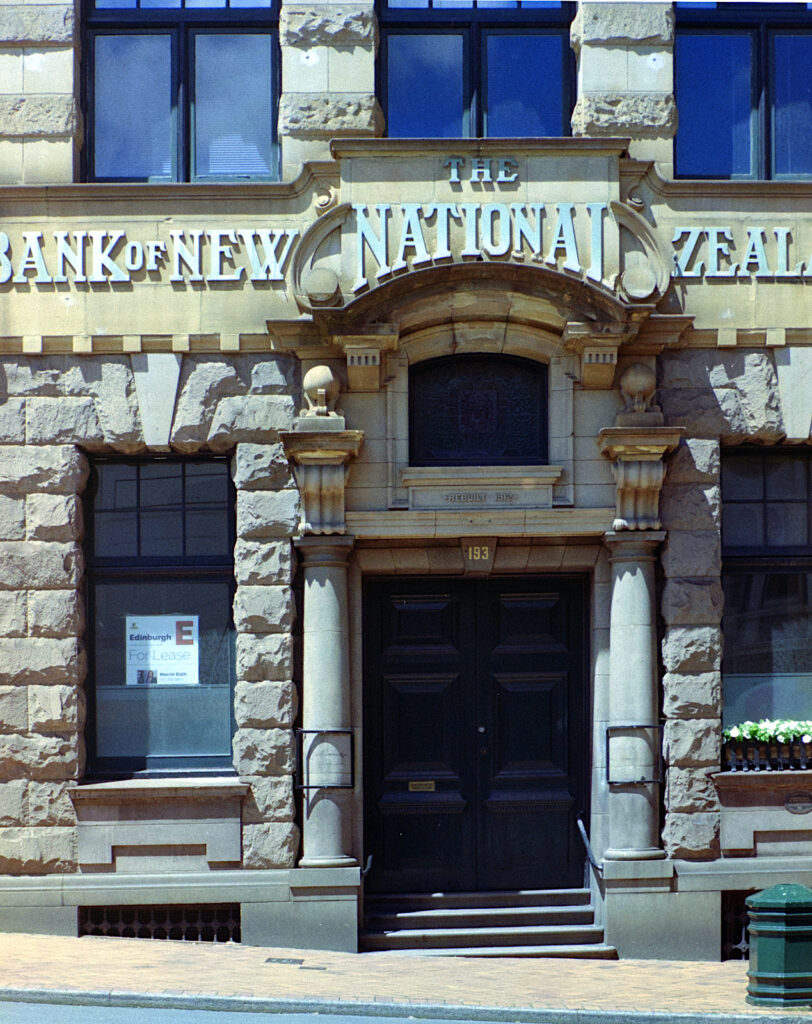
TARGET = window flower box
x,y
768,745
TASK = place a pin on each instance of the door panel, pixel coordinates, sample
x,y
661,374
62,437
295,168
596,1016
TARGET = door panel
x,y
474,733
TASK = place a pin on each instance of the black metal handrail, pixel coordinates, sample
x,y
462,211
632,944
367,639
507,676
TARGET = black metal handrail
x,y
590,855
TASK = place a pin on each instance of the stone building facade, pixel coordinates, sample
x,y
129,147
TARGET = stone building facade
x,y
461,410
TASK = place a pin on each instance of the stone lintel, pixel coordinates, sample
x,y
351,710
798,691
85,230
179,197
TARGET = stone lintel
x,y
37,24
620,24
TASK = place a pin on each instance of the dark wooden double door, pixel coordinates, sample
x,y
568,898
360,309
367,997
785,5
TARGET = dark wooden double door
x,y
475,733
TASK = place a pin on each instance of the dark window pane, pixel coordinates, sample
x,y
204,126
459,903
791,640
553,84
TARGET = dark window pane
x,y
206,482
713,81
786,524
742,478
524,84
785,478
478,411
792,110
743,525
425,82
117,487
207,533
115,534
162,534
767,626
233,116
163,720
161,484
133,107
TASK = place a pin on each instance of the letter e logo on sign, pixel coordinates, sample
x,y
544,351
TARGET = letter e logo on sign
x,y
184,631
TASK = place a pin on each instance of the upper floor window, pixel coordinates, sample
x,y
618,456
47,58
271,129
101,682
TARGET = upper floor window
x,y
478,410
468,68
181,90
743,90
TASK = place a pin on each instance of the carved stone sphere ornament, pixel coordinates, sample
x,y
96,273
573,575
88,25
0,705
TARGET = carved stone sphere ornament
x,y
637,385
321,388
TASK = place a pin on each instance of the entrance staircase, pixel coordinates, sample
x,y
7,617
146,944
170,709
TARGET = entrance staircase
x,y
551,922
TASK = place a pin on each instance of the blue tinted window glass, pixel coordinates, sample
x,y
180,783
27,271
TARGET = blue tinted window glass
x,y
713,92
133,106
792,109
424,95
524,84
233,115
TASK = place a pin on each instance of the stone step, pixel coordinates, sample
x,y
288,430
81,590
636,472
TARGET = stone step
x,y
590,951
518,935
474,900
476,917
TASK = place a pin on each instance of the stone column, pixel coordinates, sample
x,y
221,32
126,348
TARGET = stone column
x,y
327,830
634,753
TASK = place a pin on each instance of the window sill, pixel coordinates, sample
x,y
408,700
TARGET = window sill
x,y
149,789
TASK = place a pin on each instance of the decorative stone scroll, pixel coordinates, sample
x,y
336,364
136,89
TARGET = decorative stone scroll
x,y
320,449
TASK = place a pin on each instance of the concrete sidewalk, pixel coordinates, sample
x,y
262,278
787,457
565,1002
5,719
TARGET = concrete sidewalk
x,y
114,971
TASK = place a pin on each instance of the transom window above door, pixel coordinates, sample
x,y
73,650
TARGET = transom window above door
x,y
469,68
478,410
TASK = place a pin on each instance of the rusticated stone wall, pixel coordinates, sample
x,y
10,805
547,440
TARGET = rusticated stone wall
x,y
719,397
53,410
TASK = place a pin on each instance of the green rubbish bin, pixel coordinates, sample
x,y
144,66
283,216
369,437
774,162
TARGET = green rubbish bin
x,y
780,972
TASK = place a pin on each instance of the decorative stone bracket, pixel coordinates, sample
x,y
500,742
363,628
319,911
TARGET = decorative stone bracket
x,y
637,463
320,450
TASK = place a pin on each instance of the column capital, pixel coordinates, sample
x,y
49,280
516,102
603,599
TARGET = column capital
x,y
330,551
320,459
628,546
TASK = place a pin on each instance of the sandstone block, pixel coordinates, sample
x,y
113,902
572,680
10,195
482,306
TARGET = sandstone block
x,y
270,799
317,24
54,469
325,115
692,553
39,565
277,376
49,803
63,421
38,116
267,513
255,418
690,790
692,695
13,802
263,751
55,613
13,709
271,845
261,467
692,649
613,24
696,460
12,518
263,563
50,24
691,836
644,115
53,517
265,657
112,383
12,613
691,507
51,375
264,610
40,757
259,705
692,742
12,419
55,709
34,661
37,851
696,409
202,384
692,602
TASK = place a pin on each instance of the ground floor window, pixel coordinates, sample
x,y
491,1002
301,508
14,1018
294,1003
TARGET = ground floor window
x,y
767,579
160,591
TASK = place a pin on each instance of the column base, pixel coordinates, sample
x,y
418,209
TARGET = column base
x,y
328,862
648,853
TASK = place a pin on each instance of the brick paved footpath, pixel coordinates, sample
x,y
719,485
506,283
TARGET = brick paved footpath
x,y
203,975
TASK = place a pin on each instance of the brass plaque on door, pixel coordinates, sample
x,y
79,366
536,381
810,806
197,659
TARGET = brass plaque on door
x,y
422,786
